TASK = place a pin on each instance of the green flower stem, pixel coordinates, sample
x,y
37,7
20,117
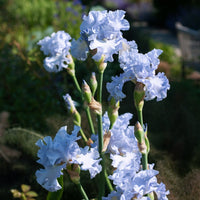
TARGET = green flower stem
x,y
145,161
82,191
99,88
99,116
144,155
87,110
83,135
77,84
23,197
102,174
100,137
100,132
140,117
110,187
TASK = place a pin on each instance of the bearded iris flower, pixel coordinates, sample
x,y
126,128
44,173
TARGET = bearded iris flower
x,y
140,68
101,33
55,154
131,182
57,49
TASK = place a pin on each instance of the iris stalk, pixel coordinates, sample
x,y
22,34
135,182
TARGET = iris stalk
x,y
144,155
82,191
87,110
100,137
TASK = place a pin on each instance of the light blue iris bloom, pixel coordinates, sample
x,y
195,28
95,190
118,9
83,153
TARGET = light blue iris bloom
x,y
55,154
57,48
47,177
137,185
156,87
124,152
114,195
141,68
116,85
127,50
122,130
100,31
79,49
89,160
129,179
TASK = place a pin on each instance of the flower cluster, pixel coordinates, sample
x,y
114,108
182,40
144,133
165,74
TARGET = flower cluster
x,y
101,36
56,154
130,180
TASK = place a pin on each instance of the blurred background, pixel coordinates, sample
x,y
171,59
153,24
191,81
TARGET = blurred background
x,y
31,103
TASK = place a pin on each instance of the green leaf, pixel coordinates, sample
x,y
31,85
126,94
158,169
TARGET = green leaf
x,y
31,194
58,194
16,193
25,188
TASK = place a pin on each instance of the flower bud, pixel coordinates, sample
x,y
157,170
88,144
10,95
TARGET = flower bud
x,y
93,83
89,142
142,147
71,65
71,107
146,139
140,135
139,132
74,173
106,140
102,67
101,64
77,118
86,92
113,111
70,103
151,195
147,144
95,106
139,94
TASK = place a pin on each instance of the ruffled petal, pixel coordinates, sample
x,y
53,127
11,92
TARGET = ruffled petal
x,y
47,177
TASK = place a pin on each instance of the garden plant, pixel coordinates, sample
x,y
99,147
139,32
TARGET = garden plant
x,y
111,135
